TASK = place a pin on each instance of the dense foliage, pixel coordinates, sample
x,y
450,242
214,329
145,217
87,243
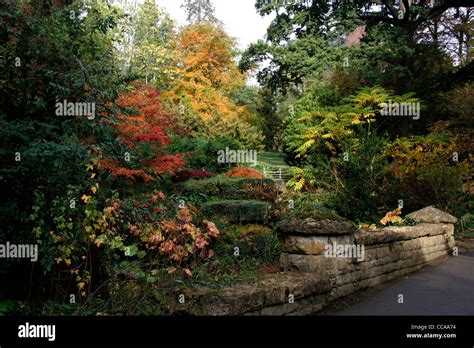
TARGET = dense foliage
x,y
112,119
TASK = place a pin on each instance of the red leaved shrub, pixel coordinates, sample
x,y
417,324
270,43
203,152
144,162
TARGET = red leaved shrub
x,y
143,128
239,172
188,174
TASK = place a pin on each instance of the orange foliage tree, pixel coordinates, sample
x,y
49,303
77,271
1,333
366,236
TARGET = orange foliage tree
x,y
207,76
142,126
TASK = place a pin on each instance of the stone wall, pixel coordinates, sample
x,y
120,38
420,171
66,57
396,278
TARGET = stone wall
x,y
313,275
387,253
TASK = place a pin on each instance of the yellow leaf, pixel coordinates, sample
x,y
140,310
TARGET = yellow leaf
x,y
395,219
86,198
299,185
392,216
94,189
68,262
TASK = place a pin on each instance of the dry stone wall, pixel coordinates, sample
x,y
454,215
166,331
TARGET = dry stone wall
x,y
323,260
383,254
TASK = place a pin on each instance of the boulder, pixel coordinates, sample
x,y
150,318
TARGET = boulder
x,y
431,215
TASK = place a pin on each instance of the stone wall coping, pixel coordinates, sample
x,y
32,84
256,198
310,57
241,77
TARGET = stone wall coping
x,y
396,233
269,290
313,227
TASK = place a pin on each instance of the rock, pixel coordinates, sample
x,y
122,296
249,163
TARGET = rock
x,y
432,215
310,226
305,263
265,293
396,233
305,245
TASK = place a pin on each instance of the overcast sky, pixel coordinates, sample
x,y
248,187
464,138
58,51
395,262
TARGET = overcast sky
x,y
240,18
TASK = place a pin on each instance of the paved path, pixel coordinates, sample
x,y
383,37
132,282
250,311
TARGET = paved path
x,y
443,289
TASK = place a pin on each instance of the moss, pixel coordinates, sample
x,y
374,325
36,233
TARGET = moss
x,y
231,188
211,294
311,206
241,211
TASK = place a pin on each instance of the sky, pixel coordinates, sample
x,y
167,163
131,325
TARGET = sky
x,y
240,18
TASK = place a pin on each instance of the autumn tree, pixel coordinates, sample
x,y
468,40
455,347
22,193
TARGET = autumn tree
x,y
207,77
142,127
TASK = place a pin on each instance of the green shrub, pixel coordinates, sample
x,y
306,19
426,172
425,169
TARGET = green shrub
x,y
231,188
238,211
361,190
428,171
305,205
258,248
202,153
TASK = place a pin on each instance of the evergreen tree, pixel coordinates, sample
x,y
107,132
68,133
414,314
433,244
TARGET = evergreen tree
x,y
199,11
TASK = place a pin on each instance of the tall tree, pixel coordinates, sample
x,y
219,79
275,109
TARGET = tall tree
x,y
148,48
304,30
50,54
208,76
199,11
